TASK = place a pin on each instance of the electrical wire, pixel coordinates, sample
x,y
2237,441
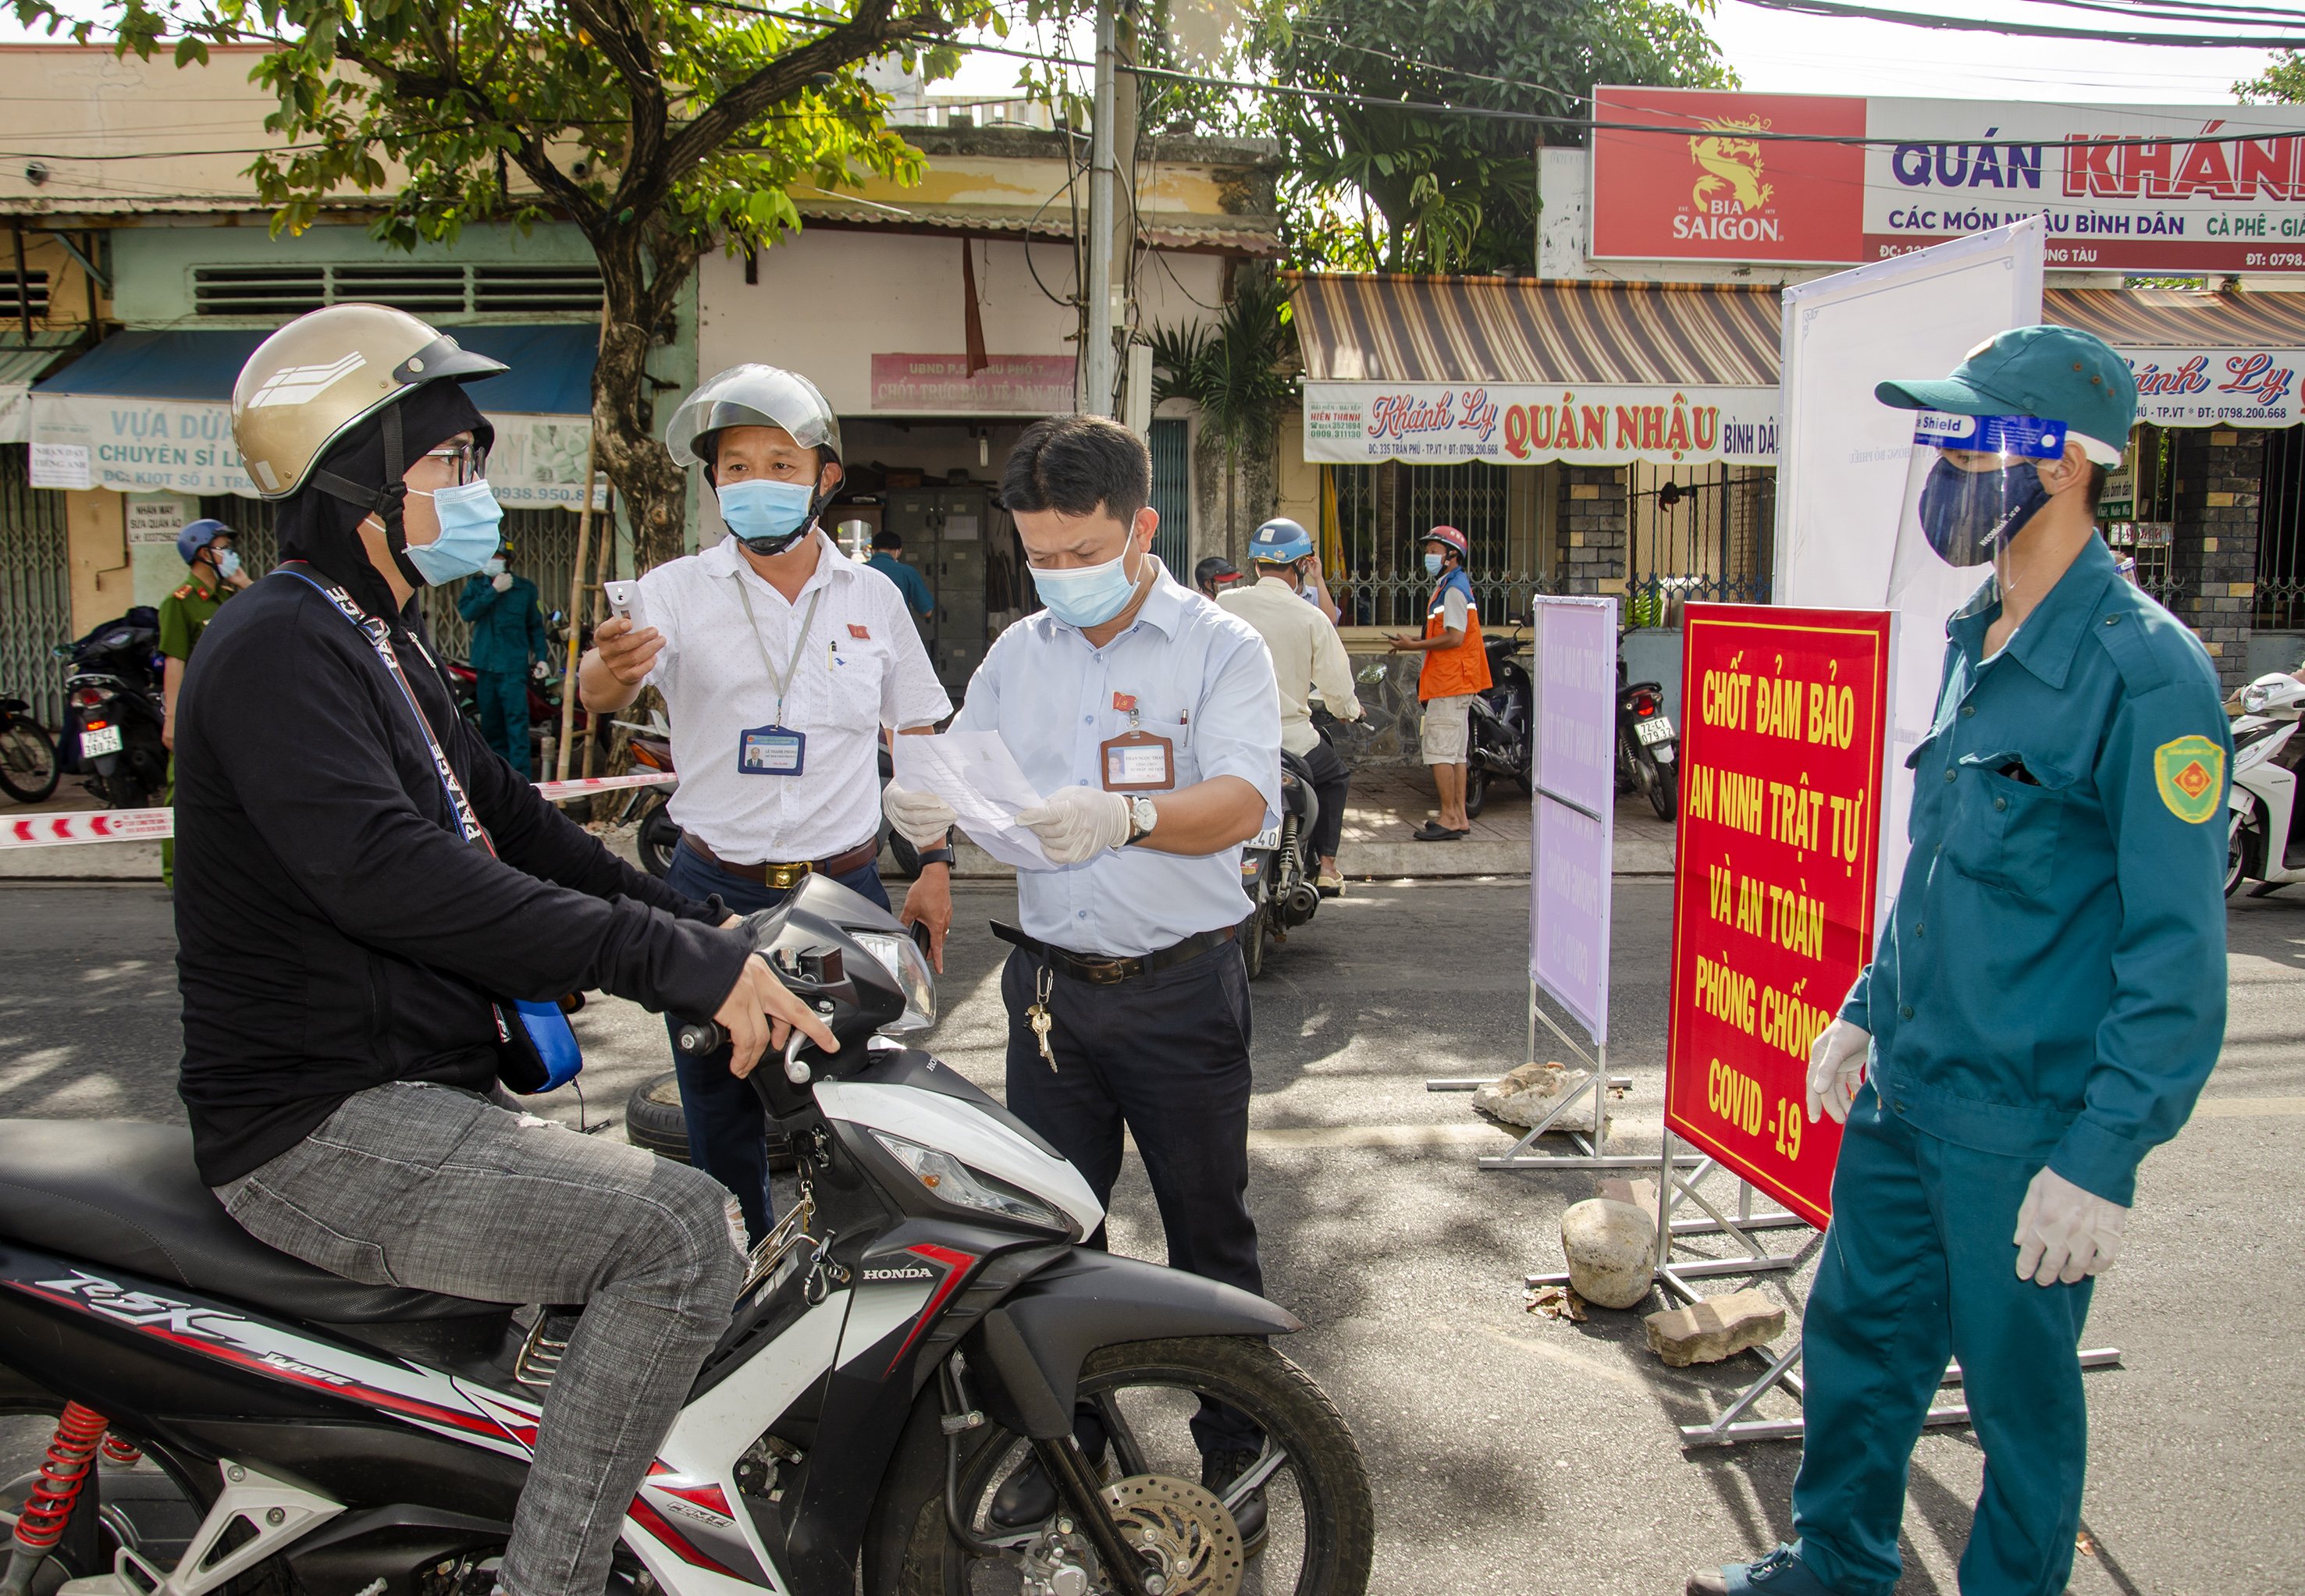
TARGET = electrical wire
x,y
1879,13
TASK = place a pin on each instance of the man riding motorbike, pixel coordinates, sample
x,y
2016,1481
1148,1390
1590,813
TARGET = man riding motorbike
x,y
366,893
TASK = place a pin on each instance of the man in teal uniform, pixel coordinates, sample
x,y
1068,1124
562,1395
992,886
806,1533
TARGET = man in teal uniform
x,y
888,560
508,635
2044,1004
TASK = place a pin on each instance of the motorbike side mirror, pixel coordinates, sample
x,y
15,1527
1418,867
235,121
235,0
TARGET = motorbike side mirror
x,y
61,651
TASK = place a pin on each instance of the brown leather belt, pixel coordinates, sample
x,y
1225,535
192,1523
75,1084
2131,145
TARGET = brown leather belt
x,y
1104,971
785,877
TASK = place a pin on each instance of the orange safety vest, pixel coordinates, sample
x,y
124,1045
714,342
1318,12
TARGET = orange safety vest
x,y
1464,668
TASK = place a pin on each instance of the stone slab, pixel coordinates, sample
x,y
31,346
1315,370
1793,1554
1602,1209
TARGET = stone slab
x,y
1716,1328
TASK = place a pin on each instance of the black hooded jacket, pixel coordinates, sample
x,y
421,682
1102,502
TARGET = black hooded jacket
x,y
333,930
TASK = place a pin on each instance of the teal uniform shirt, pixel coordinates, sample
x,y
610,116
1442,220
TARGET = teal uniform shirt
x,y
910,582
507,628
2051,984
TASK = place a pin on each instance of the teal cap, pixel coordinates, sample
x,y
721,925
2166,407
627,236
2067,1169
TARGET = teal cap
x,y
2056,373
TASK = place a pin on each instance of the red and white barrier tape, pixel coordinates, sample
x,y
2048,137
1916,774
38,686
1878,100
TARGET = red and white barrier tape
x,y
151,825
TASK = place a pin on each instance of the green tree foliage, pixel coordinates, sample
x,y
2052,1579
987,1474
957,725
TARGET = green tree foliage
x,y
2282,82
1373,188
660,130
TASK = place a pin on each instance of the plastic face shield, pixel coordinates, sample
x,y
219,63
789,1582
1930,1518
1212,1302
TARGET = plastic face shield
x,y
753,396
1971,484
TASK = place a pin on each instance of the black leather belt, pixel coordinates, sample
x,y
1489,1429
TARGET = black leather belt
x,y
1102,971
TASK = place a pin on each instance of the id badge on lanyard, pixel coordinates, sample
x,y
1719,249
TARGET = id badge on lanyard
x,y
1137,760
775,749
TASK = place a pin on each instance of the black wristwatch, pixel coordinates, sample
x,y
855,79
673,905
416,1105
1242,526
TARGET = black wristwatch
x,y
929,856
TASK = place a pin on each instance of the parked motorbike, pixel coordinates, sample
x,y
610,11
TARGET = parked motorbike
x,y
1502,722
1277,870
28,768
922,1321
1647,745
2266,830
113,712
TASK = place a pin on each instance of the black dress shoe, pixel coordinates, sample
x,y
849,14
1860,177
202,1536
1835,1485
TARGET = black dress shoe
x,y
1218,1469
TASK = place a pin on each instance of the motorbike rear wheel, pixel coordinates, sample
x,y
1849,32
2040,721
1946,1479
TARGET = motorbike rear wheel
x,y
1664,782
28,768
1254,936
1477,790
1320,1519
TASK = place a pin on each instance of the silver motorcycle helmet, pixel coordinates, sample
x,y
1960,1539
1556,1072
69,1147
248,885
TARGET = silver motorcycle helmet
x,y
752,396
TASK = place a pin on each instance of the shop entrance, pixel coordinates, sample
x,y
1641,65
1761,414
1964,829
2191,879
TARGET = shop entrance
x,y
935,485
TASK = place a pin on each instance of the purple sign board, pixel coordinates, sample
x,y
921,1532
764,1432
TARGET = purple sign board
x,y
1573,836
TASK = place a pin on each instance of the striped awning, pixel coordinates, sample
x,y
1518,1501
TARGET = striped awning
x,y
1512,331
2131,318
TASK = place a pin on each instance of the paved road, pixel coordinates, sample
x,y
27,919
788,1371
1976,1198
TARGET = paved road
x,y
1512,1453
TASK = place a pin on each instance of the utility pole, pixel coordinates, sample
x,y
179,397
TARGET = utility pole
x,y
1097,383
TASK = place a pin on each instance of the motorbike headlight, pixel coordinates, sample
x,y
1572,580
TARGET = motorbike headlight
x,y
902,958
954,1182
2252,700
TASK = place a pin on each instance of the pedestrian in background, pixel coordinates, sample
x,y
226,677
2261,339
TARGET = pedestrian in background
x,y
507,638
887,551
213,575
1456,668
1215,576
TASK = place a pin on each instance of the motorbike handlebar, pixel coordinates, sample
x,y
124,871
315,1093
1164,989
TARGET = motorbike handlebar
x,y
697,1038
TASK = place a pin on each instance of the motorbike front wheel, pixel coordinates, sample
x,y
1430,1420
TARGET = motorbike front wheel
x,y
29,768
2236,852
1320,1519
658,837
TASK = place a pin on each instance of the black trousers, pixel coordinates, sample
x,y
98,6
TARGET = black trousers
x,y
1330,782
1165,1055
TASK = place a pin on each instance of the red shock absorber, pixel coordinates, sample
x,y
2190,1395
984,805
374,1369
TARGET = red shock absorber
x,y
118,1450
62,1471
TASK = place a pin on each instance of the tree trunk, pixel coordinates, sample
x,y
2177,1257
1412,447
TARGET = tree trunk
x,y
653,489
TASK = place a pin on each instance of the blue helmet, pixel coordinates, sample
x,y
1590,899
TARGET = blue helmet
x,y
1280,542
197,535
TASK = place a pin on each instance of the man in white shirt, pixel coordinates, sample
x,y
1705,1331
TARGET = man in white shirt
x,y
779,660
1307,656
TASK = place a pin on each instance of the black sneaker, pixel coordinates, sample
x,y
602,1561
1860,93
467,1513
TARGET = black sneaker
x,y
1218,1469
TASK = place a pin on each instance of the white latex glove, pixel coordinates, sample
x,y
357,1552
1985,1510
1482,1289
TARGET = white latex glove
x,y
2063,1232
1836,1065
502,582
1077,824
920,819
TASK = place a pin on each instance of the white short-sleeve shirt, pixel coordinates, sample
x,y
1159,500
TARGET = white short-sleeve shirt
x,y
861,667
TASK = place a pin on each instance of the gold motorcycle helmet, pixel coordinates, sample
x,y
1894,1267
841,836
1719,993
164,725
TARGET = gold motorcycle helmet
x,y
311,383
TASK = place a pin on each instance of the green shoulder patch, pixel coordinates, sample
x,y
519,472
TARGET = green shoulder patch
x,y
2191,773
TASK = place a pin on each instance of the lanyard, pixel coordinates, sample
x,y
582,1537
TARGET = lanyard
x,y
800,641
379,637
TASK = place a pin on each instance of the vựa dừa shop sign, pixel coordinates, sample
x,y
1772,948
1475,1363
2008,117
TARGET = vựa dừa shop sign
x,y
1704,174
1349,423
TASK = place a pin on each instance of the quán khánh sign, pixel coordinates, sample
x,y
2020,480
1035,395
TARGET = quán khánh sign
x,y
1783,723
1702,175
1351,423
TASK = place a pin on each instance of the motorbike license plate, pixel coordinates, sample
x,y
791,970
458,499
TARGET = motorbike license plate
x,y
1268,839
96,740
1655,730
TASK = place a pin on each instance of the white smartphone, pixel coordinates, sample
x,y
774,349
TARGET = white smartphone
x,y
620,598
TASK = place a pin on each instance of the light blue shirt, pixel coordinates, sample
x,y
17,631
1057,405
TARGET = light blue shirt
x,y
1199,677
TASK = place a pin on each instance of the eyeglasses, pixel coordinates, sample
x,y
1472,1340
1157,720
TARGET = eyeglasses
x,y
467,462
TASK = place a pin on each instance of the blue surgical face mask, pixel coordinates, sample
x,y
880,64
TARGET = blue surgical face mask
x,y
469,517
1966,516
1432,565
492,568
228,565
768,516
1086,595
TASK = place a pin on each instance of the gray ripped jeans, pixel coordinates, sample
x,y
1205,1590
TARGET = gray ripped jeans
x,y
435,1189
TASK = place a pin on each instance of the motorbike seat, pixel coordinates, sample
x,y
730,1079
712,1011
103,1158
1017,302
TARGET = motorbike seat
x,y
124,1195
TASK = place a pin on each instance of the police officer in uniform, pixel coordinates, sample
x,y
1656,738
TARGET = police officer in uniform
x,y
2044,1004
1149,718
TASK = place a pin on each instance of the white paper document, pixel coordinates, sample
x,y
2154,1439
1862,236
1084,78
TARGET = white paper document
x,y
975,773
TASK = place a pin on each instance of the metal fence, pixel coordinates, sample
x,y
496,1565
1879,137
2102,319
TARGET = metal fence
x,y
1696,532
35,588
1383,513
2281,533
2143,524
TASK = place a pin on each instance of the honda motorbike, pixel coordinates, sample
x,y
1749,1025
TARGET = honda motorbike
x,y
1277,870
113,712
1647,745
2265,829
921,1322
1501,721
